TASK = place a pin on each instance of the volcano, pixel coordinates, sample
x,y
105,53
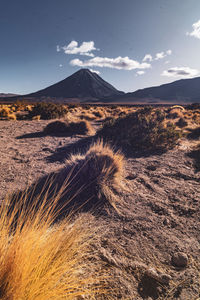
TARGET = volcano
x,y
82,84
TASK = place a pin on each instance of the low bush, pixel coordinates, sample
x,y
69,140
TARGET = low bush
x,y
143,129
48,111
181,123
65,128
11,117
4,111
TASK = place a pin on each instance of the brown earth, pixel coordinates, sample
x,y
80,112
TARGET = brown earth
x,y
159,214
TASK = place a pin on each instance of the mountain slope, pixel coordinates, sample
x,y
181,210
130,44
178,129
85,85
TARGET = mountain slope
x,y
82,84
184,90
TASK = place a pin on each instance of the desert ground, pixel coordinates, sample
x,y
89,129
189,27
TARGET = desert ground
x,y
148,241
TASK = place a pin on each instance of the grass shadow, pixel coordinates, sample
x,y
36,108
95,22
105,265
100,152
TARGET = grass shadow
x,y
31,135
72,191
194,134
62,153
195,155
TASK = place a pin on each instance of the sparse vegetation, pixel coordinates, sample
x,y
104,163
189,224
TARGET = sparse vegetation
x,y
48,111
124,225
143,129
40,260
182,123
65,128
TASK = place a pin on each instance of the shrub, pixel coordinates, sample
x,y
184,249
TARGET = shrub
x,y
48,111
93,180
100,173
11,117
99,114
65,128
193,106
143,129
182,123
175,113
38,117
87,116
4,111
41,261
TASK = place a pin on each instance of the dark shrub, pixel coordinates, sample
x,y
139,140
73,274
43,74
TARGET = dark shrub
x,y
181,123
64,128
143,129
48,111
193,106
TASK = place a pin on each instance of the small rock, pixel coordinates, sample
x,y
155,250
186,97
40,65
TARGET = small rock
x,y
180,259
160,277
166,221
165,278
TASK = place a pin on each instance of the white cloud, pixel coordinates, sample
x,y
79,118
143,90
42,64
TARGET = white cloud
x,y
196,30
140,72
58,48
160,55
163,54
95,71
84,49
148,57
183,72
119,63
60,65
169,52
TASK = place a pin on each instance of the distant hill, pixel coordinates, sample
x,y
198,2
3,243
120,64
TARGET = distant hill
x,y
5,95
82,84
180,91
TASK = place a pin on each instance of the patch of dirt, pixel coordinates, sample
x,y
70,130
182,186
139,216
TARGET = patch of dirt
x,y
159,215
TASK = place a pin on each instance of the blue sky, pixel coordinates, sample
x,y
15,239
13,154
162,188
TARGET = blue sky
x,y
45,41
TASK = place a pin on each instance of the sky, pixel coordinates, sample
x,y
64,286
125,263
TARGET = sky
x,y
132,44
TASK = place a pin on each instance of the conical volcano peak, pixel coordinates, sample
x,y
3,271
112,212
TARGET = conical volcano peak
x,y
82,84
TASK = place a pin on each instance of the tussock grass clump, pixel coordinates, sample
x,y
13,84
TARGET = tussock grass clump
x,y
175,113
100,171
65,128
143,129
94,178
89,116
48,111
40,261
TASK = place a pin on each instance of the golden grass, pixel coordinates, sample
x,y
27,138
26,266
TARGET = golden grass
x,y
39,260
101,170
11,117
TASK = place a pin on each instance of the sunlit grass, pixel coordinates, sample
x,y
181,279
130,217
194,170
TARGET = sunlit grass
x,y
39,259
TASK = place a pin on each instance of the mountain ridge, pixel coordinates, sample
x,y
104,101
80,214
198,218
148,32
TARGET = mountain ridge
x,y
81,84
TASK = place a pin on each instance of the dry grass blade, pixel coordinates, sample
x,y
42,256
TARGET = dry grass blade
x,y
39,260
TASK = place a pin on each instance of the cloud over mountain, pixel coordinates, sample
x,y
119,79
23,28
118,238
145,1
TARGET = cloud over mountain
x,y
184,72
119,63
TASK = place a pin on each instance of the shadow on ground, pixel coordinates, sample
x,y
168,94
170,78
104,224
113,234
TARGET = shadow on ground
x,y
194,134
195,154
80,146
72,188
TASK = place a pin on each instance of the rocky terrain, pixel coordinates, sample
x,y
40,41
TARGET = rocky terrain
x,y
151,246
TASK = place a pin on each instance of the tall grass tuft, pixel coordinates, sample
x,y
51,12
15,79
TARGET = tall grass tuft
x,y
40,260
